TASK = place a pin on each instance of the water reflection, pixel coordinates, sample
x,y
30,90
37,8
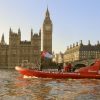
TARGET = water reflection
x,y
14,87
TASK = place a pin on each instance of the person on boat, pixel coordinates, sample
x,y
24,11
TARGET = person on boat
x,y
41,67
67,67
59,67
31,66
23,65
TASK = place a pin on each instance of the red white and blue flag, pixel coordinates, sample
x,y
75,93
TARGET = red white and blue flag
x,y
46,54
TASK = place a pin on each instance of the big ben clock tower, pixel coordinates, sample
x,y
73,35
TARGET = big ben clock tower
x,y
47,33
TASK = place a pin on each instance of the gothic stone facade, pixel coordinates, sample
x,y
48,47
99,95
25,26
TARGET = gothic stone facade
x,y
82,52
17,51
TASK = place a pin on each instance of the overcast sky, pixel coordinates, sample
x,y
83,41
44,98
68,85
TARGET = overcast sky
x,y
73,20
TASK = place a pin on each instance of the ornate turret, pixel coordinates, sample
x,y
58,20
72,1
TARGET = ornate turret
x,y
89,42
10,31
98,43
40,32
31,33
76,43
19,32
81,42
47,13
2,40
47,17
70,46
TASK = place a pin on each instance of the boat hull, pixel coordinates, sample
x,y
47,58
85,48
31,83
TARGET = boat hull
x,y
55,75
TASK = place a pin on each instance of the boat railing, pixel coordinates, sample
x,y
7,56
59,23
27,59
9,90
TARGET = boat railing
x,y
54,71
50,70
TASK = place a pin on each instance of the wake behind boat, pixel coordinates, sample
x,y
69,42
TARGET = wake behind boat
x,y
86,72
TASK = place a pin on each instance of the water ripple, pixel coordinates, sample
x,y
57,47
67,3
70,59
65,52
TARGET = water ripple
x,y
14,87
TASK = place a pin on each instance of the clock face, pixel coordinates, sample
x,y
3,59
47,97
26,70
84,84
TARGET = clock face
x,y
48,27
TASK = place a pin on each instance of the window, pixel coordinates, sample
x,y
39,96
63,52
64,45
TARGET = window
x,y
14,52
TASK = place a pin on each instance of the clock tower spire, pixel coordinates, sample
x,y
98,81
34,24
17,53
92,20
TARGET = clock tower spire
x,y
47,13
47,33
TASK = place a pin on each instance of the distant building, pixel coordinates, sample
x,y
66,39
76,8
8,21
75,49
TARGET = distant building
x,y
58,58
18,51
82,52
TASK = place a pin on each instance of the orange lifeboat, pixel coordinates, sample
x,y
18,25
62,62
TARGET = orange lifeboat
x,y
86,72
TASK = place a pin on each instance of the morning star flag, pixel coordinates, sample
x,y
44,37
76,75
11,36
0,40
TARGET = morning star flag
x,y
46,55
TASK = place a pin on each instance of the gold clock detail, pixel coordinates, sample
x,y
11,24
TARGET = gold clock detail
x,y
48,27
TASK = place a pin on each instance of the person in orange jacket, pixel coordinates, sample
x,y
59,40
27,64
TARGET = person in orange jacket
x,y
67,67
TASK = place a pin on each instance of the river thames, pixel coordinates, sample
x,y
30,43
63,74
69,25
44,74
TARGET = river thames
x,y
14,87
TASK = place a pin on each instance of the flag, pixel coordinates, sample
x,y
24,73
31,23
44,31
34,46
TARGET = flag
x,y
46,55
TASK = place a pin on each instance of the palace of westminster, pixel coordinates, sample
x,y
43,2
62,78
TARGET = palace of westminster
x,y
18,51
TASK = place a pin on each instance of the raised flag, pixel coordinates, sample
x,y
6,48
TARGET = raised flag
x,y
46,55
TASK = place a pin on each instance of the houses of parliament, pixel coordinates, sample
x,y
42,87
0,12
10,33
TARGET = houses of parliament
x,y
18,51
